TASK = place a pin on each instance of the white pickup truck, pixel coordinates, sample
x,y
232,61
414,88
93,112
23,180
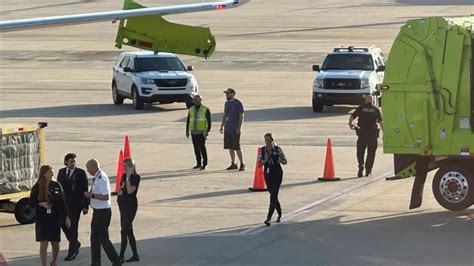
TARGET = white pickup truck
x,y
347,76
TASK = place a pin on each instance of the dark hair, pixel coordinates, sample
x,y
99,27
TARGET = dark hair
x,y
69,156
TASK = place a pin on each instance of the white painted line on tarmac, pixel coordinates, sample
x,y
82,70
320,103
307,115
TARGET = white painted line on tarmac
x,y
303,210
260,228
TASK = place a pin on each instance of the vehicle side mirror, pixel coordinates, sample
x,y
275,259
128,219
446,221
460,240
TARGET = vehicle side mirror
x,y
316,68
127,69
190,68
380,69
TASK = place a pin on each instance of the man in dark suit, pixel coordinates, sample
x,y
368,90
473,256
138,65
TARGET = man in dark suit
x,y
74,183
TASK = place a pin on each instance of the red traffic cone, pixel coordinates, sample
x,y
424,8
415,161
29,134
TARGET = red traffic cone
x,y
127,153
258,179
3,261
329,173
118,179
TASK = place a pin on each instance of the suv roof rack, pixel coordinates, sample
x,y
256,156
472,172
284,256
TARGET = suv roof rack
x,y
352,49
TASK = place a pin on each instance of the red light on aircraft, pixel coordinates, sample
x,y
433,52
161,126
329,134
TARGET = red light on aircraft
x,y
219,7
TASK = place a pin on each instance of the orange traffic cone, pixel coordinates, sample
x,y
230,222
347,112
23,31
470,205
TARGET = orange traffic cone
x,y
127,153
329,173
3,261
118,179
258,179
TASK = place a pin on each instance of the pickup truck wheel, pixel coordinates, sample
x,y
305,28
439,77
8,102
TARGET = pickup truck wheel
x,y
117,98
453,187
137,102
317,106
24,213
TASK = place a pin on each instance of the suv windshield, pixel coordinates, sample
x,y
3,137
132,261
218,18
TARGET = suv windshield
x,y
158,64
348,62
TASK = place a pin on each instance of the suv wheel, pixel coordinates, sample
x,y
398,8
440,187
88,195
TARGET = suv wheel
x,y
189,104
317,106
117,98
137,102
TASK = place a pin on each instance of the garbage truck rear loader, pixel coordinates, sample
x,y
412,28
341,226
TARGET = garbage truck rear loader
x,y
428,108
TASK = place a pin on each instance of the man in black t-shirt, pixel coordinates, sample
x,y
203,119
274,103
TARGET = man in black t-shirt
x,y
368,116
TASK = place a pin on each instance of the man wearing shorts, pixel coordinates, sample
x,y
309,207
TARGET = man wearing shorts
x,y
231,127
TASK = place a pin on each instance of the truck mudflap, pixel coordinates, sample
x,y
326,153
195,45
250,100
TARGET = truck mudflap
x,y
156,34
422,169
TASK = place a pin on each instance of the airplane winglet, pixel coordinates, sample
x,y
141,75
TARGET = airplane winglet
x,y
156,34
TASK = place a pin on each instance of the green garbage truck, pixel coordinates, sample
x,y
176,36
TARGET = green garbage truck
x,y
428,108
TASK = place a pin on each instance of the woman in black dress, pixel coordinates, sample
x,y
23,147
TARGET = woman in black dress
x,y
47,197
128,205
272,157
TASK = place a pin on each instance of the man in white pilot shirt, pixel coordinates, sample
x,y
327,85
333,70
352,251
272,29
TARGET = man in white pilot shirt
x,y
100,202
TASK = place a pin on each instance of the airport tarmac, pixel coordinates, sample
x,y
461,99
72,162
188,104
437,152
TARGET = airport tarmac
x,y
265,50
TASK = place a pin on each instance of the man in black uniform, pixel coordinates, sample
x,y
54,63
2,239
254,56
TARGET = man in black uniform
x,y
74,183
368,116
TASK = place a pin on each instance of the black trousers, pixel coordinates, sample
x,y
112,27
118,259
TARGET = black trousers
x,y
72,232
199,143
273,181
100,237
128,210
366,140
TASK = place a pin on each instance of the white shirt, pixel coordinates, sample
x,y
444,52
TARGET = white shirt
x,y
100,186
69,172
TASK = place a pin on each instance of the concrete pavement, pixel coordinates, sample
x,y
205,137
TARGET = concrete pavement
x,y
265,50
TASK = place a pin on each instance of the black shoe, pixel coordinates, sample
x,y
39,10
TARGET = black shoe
x,y
232,167
242,167
70,257
202,167
133,258
368,173
122,260
197,166
78,247
278,219
361,172
267,222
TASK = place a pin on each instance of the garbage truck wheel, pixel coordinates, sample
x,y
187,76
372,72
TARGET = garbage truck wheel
x,y
24,213
453,187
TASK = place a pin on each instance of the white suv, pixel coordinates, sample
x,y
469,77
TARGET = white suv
x,y
148,77
347,76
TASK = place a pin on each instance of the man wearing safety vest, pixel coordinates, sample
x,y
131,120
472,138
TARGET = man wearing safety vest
x,y
198,124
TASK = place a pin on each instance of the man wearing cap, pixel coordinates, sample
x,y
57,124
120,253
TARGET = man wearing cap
x,y
231,127
198,124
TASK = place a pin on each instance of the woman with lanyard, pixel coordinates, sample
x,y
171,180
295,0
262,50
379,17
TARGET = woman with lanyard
x,y
272,157
47,198
128,205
